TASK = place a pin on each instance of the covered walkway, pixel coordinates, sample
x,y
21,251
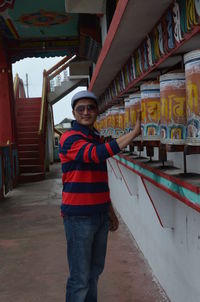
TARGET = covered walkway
x,y
32,251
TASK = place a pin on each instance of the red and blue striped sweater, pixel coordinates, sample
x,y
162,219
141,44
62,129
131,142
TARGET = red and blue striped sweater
x,y
85,181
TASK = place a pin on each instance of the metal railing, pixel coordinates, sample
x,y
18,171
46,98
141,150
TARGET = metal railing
x,y
47,77
16,84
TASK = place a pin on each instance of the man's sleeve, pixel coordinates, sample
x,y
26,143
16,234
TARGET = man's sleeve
x,y
76,147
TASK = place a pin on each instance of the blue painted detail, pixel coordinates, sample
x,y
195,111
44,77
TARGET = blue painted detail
x,y
169,19
145,57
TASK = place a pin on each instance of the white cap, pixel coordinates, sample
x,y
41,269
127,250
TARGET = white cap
x,y
84,94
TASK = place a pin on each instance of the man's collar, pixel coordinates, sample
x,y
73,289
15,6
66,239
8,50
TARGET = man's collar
x,y
84,129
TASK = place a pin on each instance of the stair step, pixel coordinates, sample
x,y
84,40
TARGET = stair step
x,y
27,141
30,168
28,105
31,177
29,161
25,128
28,108
28,147
24,115
28,154
28,100
27,134
28,118
27,123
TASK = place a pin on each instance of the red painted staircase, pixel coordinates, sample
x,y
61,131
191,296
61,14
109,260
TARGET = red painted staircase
x,y
30,145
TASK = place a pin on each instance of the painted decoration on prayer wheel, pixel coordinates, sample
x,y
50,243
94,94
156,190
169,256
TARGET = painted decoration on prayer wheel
x,y
115,120
150,107
135,106
192,77
173,108
113,112
103,124
119,121
96,124
127,115
109,123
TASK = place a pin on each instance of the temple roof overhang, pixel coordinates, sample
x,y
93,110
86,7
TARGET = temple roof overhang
x,y
131,23
43,28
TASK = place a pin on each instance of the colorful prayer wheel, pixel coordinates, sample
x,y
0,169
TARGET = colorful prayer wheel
x,y
115,120
173,108
150,106
127,115
192,77
121,121
109,123
135,106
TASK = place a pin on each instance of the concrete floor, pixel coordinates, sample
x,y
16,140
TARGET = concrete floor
x,y
33,258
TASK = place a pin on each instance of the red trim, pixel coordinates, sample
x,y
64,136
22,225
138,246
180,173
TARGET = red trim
x,y
112,168
124,179
152,201
180,182
172,193
120,9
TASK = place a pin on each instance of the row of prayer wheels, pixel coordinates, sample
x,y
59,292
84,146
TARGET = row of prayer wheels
x,y
170,108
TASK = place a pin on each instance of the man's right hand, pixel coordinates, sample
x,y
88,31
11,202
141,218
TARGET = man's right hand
x,y
137,128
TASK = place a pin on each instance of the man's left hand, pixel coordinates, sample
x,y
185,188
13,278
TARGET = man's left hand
x,y
114,222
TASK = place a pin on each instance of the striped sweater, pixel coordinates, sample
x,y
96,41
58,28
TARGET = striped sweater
x,y
85,180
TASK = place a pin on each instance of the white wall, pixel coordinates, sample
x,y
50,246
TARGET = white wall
x,y
173,253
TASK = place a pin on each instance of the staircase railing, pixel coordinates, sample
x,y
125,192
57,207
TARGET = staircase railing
x,y
43,103
16,84
47,77
58,131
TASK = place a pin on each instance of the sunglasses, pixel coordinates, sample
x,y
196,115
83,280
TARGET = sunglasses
x,y
90,108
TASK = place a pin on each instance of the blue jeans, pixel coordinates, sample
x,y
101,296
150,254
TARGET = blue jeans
x,y
86,250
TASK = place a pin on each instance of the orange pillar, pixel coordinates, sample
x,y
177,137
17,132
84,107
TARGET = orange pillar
x,y
6,99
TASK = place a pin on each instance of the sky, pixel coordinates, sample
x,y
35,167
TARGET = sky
x,y
34,68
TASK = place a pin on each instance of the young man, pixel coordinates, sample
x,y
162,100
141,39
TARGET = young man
x,y
86,207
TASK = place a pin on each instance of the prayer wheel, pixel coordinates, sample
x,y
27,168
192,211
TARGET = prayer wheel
x,y
192,78
173,108
109,123
127,115
113,112
121,121
115,120
135,106
150,107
